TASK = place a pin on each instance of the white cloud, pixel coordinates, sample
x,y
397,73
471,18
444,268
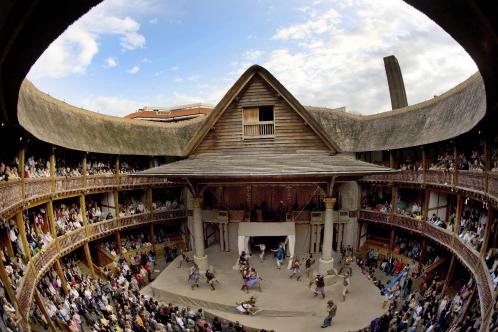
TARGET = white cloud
x,y
334,56
110,62
70,54
133,70
190,78
153,21
253,55
74,50
111,105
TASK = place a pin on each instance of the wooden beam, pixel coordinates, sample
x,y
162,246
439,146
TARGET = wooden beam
x,y
60,273
449,274
391,159
423,250
52,168
88,257
6,283
487,231
39,301
459,211
22,233
51,219
427,199
83,210
117,236
394,199
391,239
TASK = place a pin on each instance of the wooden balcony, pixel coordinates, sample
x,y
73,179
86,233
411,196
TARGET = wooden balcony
x,y
259,129
466,254
481,183
11,192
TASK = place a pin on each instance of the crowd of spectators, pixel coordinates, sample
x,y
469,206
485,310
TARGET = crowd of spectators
x,y
130,168
99,168
116,304
411,166
36,168
407,246
436,220
413,210
474,162
94,212
131,207
427,309
14,267
110,246
37,230
444,162
134,242
473,224
9,317
67,218
9,171
166,205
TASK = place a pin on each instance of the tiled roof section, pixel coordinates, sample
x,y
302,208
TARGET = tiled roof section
x,y
170,114
275,165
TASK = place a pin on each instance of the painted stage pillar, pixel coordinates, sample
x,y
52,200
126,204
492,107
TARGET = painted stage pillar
x,y
326,262
200,257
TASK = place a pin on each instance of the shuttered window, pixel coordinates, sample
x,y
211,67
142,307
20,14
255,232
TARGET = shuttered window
x,y
258,122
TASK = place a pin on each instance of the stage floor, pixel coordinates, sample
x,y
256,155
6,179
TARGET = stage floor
x,y
288,305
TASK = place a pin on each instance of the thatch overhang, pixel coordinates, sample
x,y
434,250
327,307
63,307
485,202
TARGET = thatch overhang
x,y
260,166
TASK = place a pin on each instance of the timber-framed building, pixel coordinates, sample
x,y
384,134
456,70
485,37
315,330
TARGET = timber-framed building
x,y
260,164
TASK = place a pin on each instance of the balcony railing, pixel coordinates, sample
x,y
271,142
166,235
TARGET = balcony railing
x,y
10,195
259,129
485,183
11,192
468,255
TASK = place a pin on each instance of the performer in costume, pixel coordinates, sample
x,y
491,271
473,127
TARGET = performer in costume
x,y
308,267
279,255
346,284
211,279
262,248
319,285
194,276
295,267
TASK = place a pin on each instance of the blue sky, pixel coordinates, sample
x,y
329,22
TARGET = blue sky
x,y
125,54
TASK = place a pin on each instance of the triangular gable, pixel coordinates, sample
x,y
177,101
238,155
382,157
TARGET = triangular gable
x,y
239,87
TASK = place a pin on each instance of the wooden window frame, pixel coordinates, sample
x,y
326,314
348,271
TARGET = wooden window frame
x,y
267,127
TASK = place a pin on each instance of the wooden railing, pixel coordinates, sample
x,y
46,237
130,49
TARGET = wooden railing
x,y
485,183
71,239
259,129
468,255
11,192
24,293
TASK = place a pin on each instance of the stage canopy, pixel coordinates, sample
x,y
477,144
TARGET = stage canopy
x,y
261,165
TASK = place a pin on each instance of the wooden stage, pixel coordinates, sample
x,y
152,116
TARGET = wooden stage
x,y
288,305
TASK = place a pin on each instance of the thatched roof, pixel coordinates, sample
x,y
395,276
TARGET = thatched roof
x,y
446,116
449,115
56,122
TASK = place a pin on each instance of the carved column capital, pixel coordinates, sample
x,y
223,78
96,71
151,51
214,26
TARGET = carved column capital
x,y
329,202
196,202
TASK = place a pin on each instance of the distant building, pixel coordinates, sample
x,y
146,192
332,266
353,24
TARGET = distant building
x,y
171,114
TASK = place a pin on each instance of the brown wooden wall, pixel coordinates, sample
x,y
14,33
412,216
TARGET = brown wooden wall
x,y
291,132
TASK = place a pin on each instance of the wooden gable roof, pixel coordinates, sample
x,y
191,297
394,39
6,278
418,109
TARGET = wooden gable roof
x,y
237,89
